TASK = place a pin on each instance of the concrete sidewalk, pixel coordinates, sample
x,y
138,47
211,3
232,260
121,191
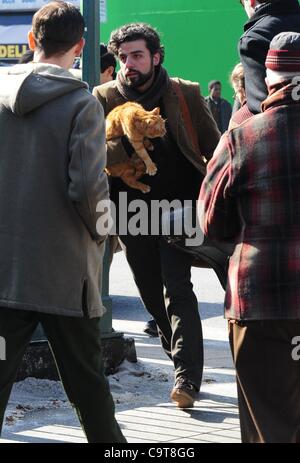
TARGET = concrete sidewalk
x,y
141,391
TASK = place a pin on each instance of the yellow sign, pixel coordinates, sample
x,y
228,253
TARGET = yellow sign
x,y
12,51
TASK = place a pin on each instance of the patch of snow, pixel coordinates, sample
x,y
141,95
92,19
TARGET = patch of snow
x,y
133,383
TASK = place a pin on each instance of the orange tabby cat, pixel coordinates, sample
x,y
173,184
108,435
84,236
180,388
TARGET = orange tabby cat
x,y
132,120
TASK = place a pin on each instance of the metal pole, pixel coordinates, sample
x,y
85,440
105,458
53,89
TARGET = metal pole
x,y
91,54
91,75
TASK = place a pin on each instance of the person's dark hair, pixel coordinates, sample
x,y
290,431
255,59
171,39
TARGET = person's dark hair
x,y
107,59
57,27
212,83
27,57
136,31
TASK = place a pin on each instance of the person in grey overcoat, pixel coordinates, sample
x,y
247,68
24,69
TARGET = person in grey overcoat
x,y
52,180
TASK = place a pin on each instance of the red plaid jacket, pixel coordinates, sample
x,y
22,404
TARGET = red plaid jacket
x,y
251,195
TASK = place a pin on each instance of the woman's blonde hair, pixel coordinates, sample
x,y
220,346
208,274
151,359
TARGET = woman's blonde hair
x,y
237,78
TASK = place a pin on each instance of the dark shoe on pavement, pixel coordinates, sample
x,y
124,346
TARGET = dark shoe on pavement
x,y
184,393
151,328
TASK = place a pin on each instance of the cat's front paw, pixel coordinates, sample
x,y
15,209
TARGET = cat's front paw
x,y
151,169
145,189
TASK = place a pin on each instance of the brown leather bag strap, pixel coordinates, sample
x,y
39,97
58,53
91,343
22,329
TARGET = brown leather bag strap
x,y
187,119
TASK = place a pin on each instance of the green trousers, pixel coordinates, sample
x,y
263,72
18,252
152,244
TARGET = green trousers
x,y
76,346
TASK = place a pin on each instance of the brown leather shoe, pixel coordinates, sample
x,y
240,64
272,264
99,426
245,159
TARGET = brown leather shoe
x,y
184,393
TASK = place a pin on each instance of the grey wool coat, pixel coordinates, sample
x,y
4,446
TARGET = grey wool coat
x,y
52,159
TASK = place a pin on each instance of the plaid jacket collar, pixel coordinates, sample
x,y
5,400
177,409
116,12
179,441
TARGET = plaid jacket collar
x,y
280,94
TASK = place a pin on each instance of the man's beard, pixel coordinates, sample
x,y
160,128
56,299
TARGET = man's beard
x,y
139,79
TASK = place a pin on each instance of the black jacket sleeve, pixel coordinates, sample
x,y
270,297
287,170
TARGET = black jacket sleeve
x,y
253,52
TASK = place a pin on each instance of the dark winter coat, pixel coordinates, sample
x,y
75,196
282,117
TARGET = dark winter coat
x,y
268,21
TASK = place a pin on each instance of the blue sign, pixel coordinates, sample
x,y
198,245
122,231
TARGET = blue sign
x,y
26,5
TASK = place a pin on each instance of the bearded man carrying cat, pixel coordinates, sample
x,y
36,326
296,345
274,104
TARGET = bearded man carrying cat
x,y
180,170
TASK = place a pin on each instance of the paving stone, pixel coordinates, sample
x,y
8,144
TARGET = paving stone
x,y
213,437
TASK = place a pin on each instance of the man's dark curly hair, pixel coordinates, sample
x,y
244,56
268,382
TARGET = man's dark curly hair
x,y
136,31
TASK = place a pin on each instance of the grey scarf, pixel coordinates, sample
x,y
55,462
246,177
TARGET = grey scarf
x,y
151,97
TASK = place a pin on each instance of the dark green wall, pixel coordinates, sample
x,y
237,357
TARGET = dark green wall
x,y
200,36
